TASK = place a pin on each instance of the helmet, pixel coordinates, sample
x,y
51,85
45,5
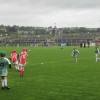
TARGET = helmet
x,y
3,54
74,48
13,51
25,49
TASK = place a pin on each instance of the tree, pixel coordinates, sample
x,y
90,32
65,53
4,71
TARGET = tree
x,y
98,29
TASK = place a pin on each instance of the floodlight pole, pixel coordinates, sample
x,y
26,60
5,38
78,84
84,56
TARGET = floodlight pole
x,y
18,31
55,32
4,29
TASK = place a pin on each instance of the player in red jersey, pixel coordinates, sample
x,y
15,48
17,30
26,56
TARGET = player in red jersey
x,y
14,58
23,55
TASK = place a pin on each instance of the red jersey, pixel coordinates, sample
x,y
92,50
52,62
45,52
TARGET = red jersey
x,y
13,56
23,56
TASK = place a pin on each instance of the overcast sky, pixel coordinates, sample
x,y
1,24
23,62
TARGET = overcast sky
x,y
45,13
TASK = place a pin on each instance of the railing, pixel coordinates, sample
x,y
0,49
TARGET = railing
x,y
72,39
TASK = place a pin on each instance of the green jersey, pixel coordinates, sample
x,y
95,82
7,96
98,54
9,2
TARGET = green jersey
x,y
75,52
97,51
4,63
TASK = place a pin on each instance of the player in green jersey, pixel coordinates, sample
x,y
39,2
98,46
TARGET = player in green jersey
x,y
4,64
96,53
75,52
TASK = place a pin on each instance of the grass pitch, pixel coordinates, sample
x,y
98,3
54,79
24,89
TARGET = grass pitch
x,y
52,74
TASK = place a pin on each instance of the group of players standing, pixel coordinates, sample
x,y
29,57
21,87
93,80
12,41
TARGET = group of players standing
x,y
19,61
21,57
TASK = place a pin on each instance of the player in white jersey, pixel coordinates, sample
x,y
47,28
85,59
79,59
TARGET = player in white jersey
x,y
4,64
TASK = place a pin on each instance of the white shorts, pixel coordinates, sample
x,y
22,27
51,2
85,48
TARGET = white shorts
x,y
22,65
96,54
16,62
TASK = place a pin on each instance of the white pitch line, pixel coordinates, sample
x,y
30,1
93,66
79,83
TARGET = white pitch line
x,y
57,61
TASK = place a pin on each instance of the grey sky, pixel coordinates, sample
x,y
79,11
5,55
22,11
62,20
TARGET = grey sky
x,y
44,13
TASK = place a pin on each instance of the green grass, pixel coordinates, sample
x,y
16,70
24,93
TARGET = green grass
x,y
58,78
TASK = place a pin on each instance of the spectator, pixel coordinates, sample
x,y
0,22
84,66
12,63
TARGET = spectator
x,y
88,43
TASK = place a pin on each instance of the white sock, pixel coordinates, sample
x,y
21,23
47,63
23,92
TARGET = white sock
x,y
96,59
5,82
76,59
15,67
2,81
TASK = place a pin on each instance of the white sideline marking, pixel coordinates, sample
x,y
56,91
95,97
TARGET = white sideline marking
x,y
58,61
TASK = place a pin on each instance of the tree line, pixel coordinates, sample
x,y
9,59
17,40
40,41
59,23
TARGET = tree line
x,y
4,29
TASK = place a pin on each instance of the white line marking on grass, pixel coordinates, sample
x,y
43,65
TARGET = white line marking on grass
x,y
59,61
